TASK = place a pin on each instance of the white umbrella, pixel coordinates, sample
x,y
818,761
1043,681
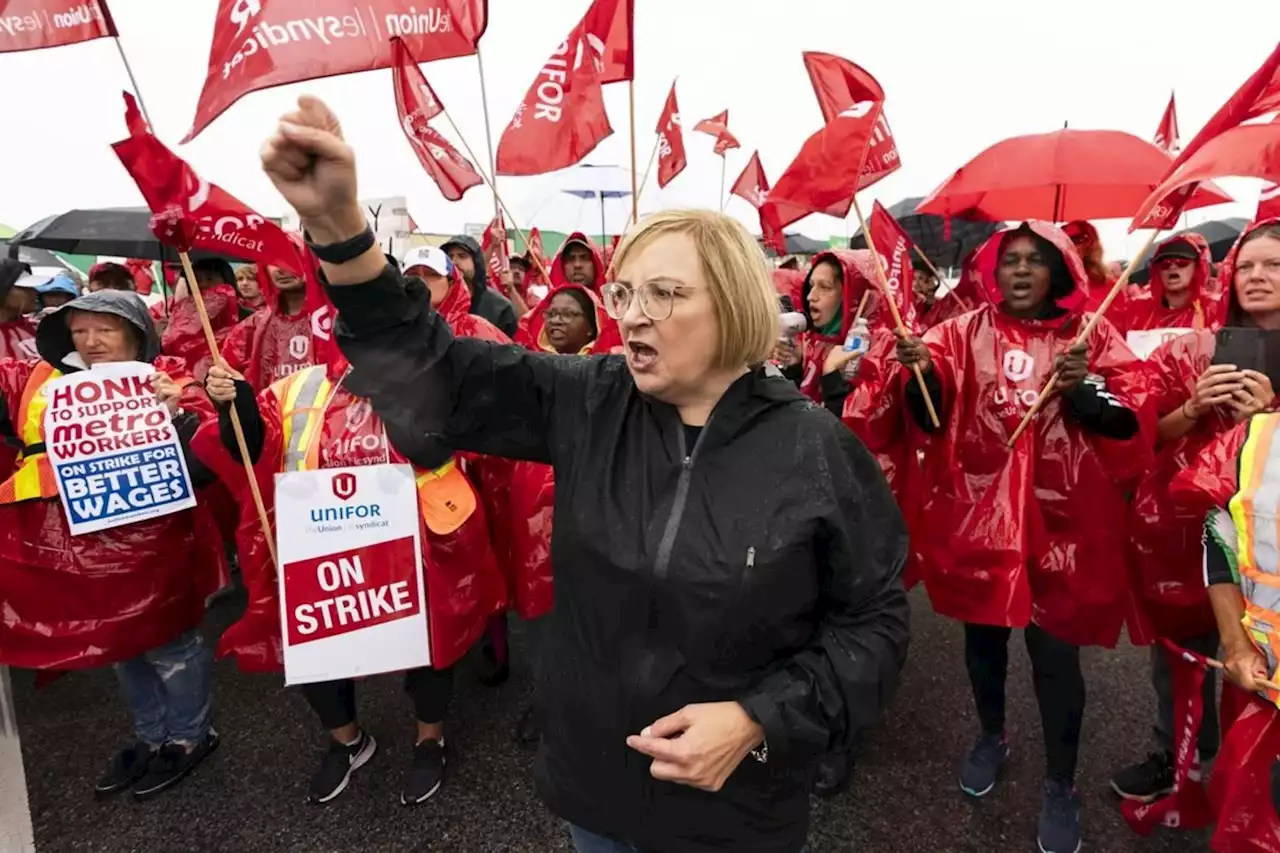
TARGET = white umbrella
x,y
590,198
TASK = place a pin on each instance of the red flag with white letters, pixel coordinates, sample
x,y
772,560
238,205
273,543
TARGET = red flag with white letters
x,y
494,247
417,104
718,126
1268,203
191,213
562,117
1166,138
894,248
258,44
753,186
671,156
537,258
34,24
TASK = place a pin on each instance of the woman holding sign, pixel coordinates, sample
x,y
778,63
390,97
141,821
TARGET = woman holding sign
x,y
102,558
320,419
728,601
1196,401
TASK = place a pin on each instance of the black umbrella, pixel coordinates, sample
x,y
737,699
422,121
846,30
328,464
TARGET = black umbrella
x,y
799,244
36,258
123,232
927,232
1220,234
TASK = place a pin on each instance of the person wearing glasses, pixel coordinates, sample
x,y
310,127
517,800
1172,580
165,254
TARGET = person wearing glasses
x,y
1088,245
728,601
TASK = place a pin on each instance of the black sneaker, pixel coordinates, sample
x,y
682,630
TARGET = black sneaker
x,y
1058,829
171,765
426,775
529,728
981,767
128,766
1148,781
339,762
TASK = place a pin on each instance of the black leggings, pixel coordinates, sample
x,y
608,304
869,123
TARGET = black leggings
x,y
1059,684
335,701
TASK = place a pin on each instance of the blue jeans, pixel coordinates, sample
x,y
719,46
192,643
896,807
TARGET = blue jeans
x,y
169,691
589,842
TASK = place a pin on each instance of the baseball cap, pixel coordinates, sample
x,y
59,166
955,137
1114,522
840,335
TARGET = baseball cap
x,y
431,257
32,281
58,284
1176,249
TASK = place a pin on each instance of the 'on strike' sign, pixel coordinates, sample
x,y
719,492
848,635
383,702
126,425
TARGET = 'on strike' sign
x,y
113,449
352,598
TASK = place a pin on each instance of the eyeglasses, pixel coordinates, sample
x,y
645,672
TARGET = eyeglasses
x,y
656,299
557,315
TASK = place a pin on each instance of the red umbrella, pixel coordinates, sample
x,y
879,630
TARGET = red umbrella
x,y
1059,177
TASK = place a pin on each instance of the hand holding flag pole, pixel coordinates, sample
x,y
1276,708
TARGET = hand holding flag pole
x,y
882,282
1083,337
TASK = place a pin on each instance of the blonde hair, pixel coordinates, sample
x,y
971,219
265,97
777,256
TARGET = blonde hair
x,y
737,274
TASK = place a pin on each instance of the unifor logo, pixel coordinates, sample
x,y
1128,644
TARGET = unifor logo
x,y
1018,365
593,43
344,485
299,346
242,11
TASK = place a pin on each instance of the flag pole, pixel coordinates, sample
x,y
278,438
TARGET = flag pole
x,y
724,165
488,135
883,281
133,81
635,192
241,445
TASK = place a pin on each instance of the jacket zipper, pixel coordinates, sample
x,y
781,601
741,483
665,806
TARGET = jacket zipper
x,y
668,541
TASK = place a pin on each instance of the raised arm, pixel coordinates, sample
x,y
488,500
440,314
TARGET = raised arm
x,y
479,396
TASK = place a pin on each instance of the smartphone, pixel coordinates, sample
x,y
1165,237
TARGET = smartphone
x,y
1249,349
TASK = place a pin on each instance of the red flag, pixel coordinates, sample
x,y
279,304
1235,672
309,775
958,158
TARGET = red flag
x,y
894,247
258,44
537,258
671,157
1188,806
1268,203
1240,786
33,24
417,104
1259,96
494,247
718,126
189,212
1166,137
853,151
562,118
753,186
726,142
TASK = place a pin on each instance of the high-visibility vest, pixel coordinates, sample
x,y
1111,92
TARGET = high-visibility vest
x,y
445,497
1254,511
33,475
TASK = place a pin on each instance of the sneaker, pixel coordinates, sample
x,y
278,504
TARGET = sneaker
x,y
128,766
173,763
982,765
1148,781
337,766
528,728
1058,830
426,775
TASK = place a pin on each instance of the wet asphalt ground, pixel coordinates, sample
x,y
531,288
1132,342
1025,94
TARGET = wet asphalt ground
x,y
249,796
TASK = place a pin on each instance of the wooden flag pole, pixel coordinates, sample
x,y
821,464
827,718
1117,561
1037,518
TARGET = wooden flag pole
x,y
724,165
1083,337
212,341
635,191
488,135
133,81
883,281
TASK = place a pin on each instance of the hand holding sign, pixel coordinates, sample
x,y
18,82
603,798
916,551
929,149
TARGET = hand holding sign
x,y
168,392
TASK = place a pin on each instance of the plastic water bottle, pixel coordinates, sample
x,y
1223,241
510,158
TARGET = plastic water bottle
x,y
859,341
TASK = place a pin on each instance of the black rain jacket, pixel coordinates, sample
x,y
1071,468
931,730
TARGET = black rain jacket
x,y
486,301
762,565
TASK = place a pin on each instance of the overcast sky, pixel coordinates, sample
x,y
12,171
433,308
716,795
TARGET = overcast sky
x,y
958,77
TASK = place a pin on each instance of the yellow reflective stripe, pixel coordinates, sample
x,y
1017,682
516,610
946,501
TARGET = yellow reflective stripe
x,y
435,474
301,416
1253,462
33,429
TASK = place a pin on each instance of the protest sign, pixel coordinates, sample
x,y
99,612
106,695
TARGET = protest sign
x,y
352,599
1143,343
113,449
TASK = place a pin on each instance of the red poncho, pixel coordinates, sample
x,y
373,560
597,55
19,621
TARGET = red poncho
x,y
858,272
74,602
532,493
269,345
1012,536
1145,310
184,336
18,339
557,265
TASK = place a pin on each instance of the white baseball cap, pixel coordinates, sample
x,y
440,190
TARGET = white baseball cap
x,y
431,257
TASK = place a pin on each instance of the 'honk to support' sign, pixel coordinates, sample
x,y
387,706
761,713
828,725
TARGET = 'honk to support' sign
x,y
352,597
113,449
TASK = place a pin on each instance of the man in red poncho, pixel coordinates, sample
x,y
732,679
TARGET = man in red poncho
x,y
183,334
1176,301
1195,402
1030,540
18,299
276,341
579,262
464,585
132,595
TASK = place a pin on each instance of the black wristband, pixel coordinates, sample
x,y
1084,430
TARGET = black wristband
x,y
347,250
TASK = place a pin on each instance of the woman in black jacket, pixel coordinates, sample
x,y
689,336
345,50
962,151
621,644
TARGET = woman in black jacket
x,y
727,554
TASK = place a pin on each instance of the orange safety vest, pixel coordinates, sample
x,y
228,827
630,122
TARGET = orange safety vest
x,y
33,478
445,497
1253,508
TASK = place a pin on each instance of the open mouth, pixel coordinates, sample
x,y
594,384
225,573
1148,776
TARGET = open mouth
x,y
640,356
